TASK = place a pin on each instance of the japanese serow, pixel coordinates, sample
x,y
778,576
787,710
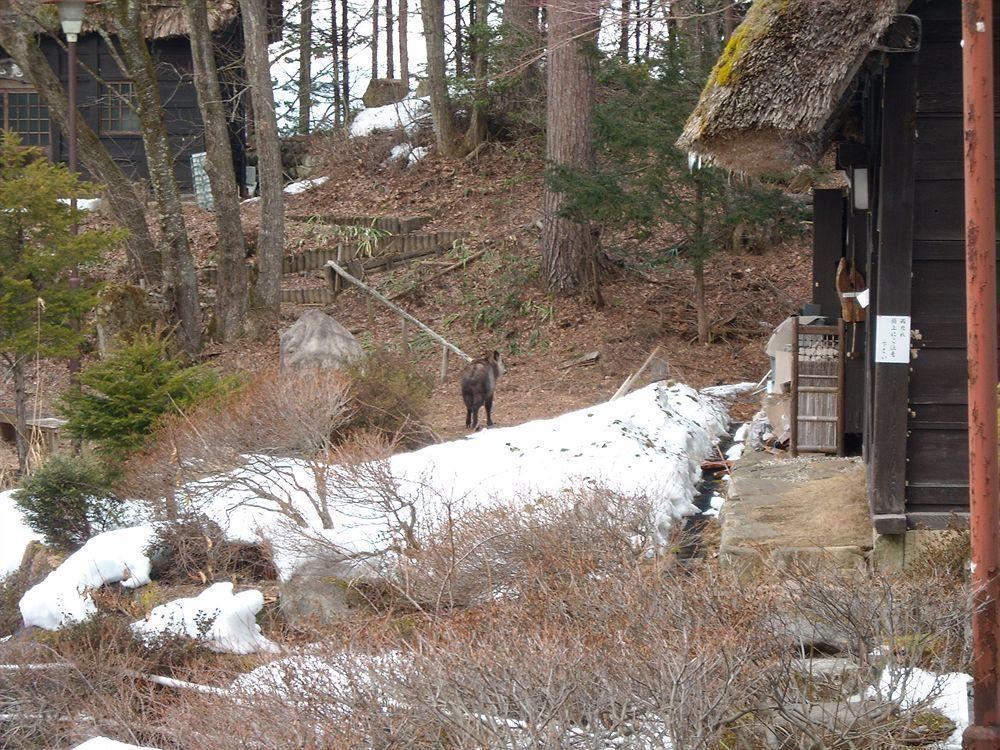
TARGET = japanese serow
x,y
479,381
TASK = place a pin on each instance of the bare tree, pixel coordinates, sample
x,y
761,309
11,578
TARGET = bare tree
x,y
375,39
476,134
345,72
625,36
305,64
432,12
271,234
390,60
570,249
231,287
404,44
459,47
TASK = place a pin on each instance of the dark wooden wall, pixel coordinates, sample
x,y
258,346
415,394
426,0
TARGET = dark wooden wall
x,y
172,58
923,274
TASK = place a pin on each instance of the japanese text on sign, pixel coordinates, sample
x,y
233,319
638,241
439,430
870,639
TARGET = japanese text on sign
x,y
892,338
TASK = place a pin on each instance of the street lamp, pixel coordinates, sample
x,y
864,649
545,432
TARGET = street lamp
x,y
71,19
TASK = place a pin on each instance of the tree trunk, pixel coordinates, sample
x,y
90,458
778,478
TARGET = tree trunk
x,y
624,36
570,249
180,275
305,64
21,434
145,262
701,306
345,71
390,42
404,44
459,48
335,54
476,134
432,12
375,39
231,287
271,235
649,30
522,44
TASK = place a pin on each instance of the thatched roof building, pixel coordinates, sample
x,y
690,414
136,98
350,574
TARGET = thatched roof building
x,y
774,95
164,19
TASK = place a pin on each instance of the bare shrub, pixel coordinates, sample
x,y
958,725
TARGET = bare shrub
x,y
193,548
463,557
390,396
254,441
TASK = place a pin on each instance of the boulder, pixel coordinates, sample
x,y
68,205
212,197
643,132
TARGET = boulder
x,y
318,592
317,340
383,91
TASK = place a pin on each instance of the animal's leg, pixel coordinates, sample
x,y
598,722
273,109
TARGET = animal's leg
x,y
475,417
468,417
489,412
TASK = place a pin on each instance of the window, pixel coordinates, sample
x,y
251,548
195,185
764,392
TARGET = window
x,y
118,109
23,113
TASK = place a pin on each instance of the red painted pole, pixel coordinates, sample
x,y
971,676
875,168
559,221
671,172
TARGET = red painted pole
x,y
981,312
74,276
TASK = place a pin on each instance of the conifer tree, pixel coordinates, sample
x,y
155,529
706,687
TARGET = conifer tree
x,y
40,315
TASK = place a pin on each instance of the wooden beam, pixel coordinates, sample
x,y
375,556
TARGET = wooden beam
x,y
828,248
889,523
887,452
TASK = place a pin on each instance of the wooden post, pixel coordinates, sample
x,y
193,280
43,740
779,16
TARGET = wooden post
x,y
338,283
841,381
444,363
793,406
890,409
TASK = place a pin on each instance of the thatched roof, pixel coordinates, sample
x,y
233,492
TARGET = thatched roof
x,y
770,100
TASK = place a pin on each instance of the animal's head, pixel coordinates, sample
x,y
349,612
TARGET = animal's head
x,y
494,357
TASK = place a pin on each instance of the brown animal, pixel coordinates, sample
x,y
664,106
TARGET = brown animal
x,y
479,381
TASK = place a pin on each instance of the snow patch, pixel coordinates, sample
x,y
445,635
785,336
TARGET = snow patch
x,y
63,598
85,204
947,693
223,621
294,188
103,743
650,442
417,154
15,535
406,114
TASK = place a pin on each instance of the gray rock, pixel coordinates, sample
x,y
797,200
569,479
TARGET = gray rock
x,y
382,91
317,340
318,592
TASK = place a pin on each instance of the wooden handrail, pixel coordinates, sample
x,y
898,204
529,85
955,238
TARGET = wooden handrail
x,y
333,266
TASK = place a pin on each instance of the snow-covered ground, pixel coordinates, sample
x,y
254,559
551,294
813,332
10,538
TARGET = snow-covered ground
x,y
103,743
947,693
218,618
649,443
406,114
63,598
14,534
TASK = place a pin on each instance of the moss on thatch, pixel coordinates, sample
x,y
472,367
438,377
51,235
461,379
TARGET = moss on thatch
x,y
770,98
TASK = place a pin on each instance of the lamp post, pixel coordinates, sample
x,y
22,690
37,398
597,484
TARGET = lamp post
x,y
71,19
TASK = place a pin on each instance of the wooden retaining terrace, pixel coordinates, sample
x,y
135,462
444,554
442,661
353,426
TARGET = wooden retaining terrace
x,y
383,253
388,224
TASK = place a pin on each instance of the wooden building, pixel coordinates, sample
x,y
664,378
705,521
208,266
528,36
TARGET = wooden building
x,y
873,88
105,93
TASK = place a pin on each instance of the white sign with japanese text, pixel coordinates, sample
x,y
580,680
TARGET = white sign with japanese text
x,y
892,338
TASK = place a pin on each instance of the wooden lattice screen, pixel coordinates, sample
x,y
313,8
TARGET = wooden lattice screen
x,y
817,398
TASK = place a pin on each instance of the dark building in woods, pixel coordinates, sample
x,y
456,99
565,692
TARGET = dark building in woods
x,y
872,88
105,93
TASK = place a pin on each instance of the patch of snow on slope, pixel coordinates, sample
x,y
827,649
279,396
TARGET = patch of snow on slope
x,y
294,188
650,442
14,534
406,114
63,597
417,154
223,621
103,743
948,693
